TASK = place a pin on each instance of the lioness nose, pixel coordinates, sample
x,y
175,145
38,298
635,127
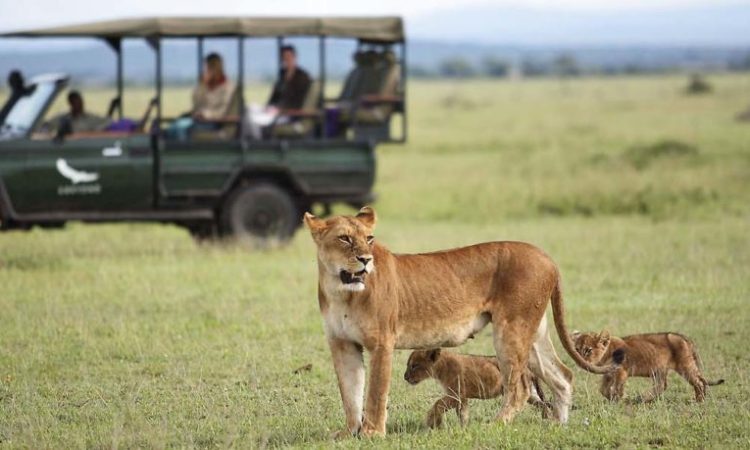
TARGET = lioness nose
x,y
364,259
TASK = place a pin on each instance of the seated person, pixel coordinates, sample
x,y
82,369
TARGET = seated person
x,y
212,99
288,93
18,89
79,119
213,96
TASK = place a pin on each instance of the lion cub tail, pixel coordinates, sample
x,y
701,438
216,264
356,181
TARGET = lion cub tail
x,y
558,313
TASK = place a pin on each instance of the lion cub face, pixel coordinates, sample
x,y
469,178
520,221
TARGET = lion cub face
x,y
345,247
419,366
591,346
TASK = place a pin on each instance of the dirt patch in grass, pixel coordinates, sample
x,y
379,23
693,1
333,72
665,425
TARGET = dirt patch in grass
x,y
643,156
645,202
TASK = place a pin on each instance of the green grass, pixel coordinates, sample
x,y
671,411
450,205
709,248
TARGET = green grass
x,y
135,336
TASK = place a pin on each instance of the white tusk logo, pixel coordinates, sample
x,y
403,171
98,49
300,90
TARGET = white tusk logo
x,y
75,176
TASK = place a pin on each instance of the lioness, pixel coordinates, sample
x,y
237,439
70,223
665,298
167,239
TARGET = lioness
x,y
646,355
463,377
371,298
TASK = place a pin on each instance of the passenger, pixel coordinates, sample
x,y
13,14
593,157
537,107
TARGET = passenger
x,y
17,90
213,96
292,84
289,92
77,117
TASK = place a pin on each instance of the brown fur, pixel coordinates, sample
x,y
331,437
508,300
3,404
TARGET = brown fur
x,y
463,377
376,300
650,355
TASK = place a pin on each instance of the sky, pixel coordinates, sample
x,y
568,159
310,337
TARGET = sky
x,y
535,22
33,13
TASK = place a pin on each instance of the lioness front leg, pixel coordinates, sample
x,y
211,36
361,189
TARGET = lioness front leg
x,y
350,372
376,413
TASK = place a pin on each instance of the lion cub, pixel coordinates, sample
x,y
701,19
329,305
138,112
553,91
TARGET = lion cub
x,y
463,377
646,355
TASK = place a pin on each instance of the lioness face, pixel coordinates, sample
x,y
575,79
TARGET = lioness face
x,y
591,346
345,247
419,366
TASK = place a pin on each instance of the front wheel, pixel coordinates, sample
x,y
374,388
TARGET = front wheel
x,y
260,213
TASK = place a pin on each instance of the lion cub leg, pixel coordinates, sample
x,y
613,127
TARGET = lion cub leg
x,y
435,414
693,376
462,410
659,378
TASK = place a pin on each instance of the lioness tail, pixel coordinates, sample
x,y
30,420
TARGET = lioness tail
x,y
558,313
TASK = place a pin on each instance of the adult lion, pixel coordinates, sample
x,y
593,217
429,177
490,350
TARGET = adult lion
x,y
373,299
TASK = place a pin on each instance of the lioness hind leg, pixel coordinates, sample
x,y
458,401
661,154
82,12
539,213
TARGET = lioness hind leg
x,y
548,368
512,353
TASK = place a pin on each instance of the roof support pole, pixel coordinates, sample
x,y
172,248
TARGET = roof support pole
x,y
200,58
116,44
241,80
279,44
403,91
322,78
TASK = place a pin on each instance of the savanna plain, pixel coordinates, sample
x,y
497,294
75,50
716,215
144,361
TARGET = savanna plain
x,y
134,335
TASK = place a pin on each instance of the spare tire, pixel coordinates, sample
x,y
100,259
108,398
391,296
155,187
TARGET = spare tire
x,y
260,212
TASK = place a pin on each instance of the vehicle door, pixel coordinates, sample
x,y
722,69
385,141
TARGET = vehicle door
x,y
97,173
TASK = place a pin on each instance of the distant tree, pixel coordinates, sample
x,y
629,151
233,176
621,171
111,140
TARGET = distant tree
x,y
566,66
421,72
456,67
531,68
697,85
741,64
495,67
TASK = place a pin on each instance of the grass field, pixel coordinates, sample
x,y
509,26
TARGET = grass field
x,y
135,336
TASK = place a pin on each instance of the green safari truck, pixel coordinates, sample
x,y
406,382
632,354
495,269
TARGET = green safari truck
x,y
214,177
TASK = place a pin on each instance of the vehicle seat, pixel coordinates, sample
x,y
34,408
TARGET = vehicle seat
x,y
221,130
302,125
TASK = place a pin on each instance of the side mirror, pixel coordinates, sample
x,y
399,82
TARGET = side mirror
x,y
65,128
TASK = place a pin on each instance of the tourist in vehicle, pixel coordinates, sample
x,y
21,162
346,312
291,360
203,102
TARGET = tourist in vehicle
x,y
78,118
18,89
212,97
289,92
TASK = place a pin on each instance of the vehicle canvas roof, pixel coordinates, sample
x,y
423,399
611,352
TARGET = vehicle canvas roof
x,y
382,29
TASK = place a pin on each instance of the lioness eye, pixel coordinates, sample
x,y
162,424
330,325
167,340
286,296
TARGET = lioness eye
x,y
370,239
345,239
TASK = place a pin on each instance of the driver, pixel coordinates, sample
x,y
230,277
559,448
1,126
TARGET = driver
x,y
79,119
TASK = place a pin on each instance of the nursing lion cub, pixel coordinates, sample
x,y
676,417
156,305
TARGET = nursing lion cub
x,y
650,355
463,377
373,299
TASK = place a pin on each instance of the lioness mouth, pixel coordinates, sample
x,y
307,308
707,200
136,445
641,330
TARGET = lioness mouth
x,y
350,278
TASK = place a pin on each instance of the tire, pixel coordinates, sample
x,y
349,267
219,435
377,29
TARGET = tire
x,y
260,213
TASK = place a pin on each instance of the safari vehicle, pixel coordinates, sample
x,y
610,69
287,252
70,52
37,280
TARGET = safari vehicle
x,y
213,183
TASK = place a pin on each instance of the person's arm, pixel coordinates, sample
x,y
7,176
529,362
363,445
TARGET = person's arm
x,y
273,100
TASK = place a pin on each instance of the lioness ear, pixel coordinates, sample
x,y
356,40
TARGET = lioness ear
x,y
434,354
367,216
315,225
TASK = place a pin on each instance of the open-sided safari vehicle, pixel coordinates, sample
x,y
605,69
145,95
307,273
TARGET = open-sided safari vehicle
x,y
216,179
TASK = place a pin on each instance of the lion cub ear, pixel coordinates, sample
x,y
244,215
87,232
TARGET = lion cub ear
x,y
604,337
575,335
434,354
367,216
315,225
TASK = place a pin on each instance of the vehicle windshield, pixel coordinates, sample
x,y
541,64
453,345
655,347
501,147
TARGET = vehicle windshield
x,y
26,110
